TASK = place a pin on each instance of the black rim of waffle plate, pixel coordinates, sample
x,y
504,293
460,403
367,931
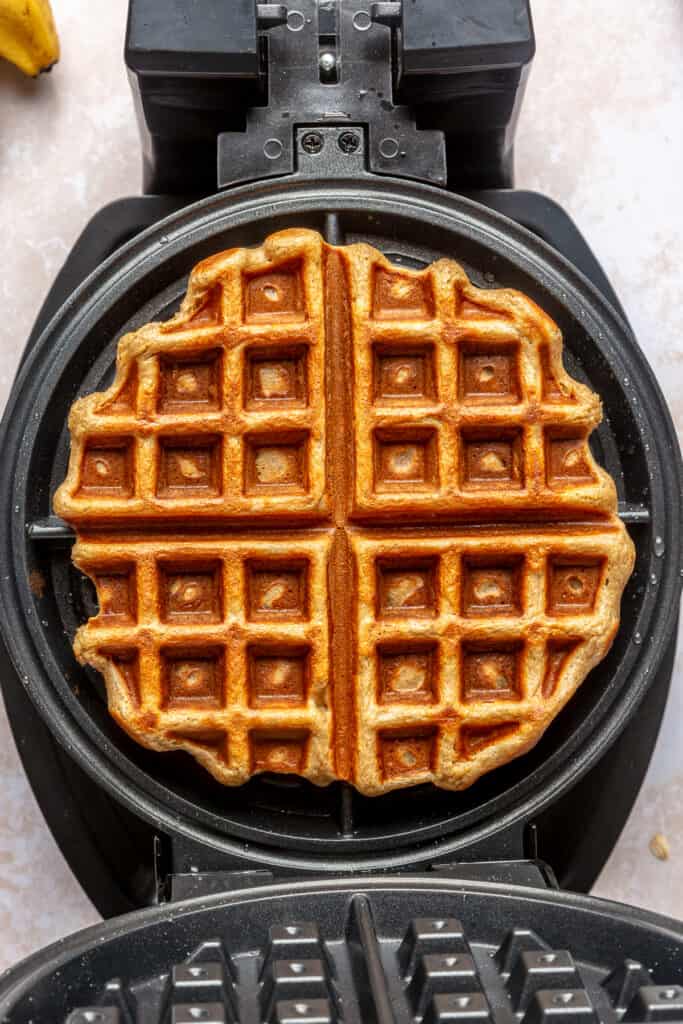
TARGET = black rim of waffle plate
x,y
287,821
381,952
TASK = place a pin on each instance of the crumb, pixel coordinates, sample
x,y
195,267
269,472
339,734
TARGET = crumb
x,y
36,582
659,846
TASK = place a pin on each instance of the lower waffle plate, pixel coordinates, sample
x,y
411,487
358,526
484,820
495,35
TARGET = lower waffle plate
x,y
44,599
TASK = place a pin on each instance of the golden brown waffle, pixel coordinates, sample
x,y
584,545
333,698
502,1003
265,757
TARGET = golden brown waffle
x,y
343,521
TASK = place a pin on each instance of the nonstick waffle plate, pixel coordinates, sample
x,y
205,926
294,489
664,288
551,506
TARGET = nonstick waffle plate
x,y
414,951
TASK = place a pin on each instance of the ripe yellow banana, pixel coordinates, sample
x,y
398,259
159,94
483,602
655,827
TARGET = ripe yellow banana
x,y
28,37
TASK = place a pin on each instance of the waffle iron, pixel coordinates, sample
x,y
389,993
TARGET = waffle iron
x,y
391,123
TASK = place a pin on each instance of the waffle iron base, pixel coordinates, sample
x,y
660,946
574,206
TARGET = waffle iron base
x,y
111,849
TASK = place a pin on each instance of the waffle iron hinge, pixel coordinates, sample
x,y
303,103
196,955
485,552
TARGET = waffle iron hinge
x,y
185,868
246,91
330,110
173,888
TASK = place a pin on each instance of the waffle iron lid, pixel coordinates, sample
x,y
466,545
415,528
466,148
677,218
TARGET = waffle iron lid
x,y
387,950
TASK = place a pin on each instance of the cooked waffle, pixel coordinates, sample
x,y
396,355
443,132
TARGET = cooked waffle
x,y
343,521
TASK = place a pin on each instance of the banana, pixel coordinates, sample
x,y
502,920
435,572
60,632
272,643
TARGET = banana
x,y
28,37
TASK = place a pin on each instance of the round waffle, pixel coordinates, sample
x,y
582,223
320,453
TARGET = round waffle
x,y
343,522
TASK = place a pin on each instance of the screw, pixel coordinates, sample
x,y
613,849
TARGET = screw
x,y
312,142
327,63
348,142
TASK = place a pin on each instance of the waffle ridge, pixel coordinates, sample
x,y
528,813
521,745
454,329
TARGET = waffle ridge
x,y
343,521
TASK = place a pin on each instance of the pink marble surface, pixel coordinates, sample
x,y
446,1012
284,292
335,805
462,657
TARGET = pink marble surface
x,y
600,132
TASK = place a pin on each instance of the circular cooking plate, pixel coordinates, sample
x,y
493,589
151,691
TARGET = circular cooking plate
x,y
385,951
45,599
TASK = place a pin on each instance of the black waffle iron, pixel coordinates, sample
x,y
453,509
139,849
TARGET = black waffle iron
x,y
390,123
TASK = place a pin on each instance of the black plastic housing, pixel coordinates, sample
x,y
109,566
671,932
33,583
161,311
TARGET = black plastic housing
x,y
449,37
462,65
197,69
200,39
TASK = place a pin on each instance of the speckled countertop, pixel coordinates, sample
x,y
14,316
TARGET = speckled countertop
x,y
600,133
